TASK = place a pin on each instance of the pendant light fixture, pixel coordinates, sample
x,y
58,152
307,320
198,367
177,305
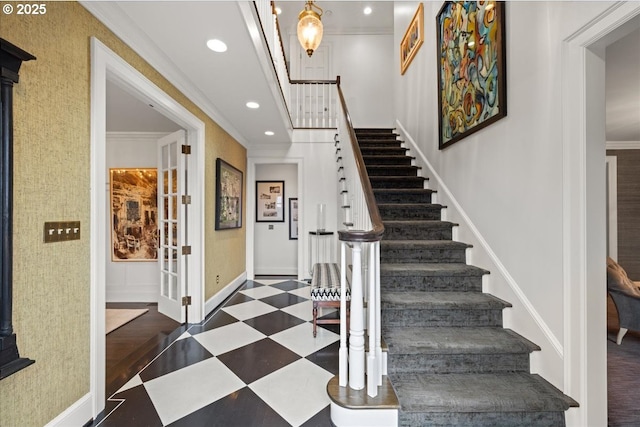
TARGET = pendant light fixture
x,y
310,27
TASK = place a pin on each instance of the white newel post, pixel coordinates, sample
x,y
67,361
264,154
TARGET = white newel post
x,y
356,330
372,362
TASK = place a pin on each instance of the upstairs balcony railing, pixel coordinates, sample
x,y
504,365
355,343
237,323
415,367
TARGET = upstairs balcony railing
x,y
311,103
321,104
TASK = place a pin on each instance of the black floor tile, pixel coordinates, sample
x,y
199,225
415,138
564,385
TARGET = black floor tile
x,y
289,285
238,299
180,354
283,300
250,364
274,322
137,410
327,358
221,318
240,409
321,419
250,284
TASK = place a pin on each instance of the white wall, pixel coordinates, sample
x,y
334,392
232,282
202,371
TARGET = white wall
x,y
363,62
130,281
317,183
274,253
505,182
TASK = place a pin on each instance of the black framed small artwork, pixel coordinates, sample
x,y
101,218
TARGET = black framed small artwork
x,y
293,218
269,201
228,196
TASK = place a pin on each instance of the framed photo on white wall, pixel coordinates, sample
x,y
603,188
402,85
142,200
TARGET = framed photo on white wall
x,y
269,201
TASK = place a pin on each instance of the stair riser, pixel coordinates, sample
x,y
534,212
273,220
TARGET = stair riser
x,y
403,198
384,160
417,255
362,137
458,363
481,419
379,144
397,183
386,170
383,151
441,317
416,232
390,213
431,283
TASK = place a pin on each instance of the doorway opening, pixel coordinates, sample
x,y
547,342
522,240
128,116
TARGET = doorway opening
x,y
107,66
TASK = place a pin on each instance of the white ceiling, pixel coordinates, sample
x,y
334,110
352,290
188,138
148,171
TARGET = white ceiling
x,y
171,36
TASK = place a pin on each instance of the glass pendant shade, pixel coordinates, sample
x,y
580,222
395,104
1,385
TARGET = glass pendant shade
x,y
309,29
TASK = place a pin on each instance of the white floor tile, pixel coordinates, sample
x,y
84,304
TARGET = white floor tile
x,y
296,392
182,392
303,310
300,340
249,310
186,334
269,281
261,292
226,338
133,382
302,292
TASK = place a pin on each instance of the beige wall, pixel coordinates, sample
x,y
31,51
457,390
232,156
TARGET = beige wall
x,y
52,183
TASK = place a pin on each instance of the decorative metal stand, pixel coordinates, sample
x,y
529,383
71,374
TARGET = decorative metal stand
x,y
11,58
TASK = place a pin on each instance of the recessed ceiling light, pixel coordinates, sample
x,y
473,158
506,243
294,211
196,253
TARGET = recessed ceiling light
x,y
217,45
252,104
367,10
269,133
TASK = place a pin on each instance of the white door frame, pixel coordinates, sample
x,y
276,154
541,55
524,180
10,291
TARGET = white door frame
x,y
106,65
584,216
251,211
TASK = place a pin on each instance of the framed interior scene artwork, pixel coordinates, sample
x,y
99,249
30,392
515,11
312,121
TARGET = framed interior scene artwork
x,y
269,201
293,218
134,214
412,40
228,196
472,90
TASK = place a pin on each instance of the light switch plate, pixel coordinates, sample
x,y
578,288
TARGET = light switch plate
x,y
61,231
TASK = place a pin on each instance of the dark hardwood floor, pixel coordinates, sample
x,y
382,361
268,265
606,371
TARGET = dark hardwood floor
x,y
132,346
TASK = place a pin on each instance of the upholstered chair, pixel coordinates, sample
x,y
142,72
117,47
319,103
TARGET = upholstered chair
x,y
626,296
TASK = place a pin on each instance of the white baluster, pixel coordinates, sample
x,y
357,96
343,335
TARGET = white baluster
x,y
343,352
372,362
356,330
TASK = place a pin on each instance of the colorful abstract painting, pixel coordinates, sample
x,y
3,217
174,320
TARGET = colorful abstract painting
x,y
471,68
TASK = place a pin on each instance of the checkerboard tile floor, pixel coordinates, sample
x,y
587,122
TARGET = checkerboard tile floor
x,y
253,362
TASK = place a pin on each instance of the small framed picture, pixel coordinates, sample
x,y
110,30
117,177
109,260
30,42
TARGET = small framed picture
x,y
269,201
293,218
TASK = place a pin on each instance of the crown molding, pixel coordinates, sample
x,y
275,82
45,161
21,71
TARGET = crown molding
x,y
623,145
114,18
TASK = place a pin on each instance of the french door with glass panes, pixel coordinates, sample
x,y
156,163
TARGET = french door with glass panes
x,y
174,249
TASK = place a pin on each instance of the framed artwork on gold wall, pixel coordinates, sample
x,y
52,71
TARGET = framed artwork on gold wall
x,y
228,196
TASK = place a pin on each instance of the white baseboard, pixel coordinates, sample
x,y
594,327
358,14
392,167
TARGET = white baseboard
x,y
77,414
139,293
276,271
213,302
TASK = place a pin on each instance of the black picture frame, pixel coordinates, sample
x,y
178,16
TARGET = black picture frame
x,y
229,196
293,218
270,201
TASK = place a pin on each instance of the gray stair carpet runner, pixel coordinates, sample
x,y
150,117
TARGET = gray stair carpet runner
x,y
450,360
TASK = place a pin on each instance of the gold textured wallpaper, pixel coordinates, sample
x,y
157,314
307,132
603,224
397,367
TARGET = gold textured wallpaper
x,y
51,286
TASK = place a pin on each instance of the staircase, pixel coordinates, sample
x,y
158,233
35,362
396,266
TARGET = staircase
x,y
450,360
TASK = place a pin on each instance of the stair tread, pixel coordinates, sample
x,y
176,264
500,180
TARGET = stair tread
x,y
414,244
469,392
455,340
431,269
402,190
411,205
435,223
441,300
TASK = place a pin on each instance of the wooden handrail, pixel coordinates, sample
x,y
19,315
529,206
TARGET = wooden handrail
x,y
302,82
377,227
